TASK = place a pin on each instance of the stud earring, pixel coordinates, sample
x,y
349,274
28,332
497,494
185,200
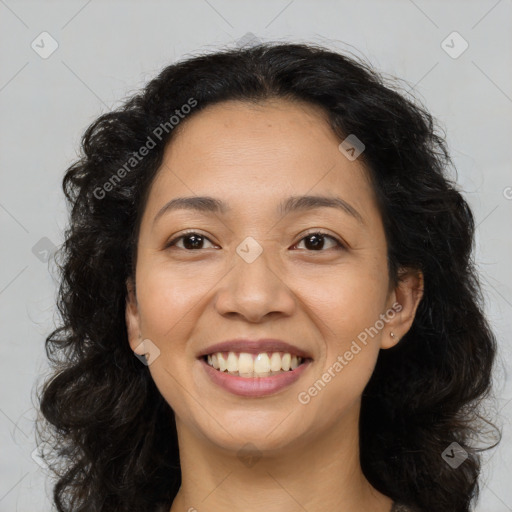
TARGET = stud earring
x,y
392,334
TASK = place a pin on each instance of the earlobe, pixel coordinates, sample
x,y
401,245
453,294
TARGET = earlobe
x,y
132,316
408,294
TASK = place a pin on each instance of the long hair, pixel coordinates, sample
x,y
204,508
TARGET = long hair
x,y
113,436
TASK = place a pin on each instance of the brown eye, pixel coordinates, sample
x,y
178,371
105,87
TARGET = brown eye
x,y
313,241
316,241
191,241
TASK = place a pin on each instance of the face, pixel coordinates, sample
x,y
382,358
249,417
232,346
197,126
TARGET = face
x,y
255,271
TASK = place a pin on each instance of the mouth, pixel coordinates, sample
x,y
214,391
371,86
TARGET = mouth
x,y
254,375
254,365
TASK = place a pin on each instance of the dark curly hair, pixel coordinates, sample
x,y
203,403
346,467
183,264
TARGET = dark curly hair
x,y
112,434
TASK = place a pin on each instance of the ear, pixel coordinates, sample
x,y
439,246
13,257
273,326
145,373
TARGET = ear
x,y
404,300
133,318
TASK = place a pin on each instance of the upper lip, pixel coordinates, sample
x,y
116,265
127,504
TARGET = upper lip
x,y
254,347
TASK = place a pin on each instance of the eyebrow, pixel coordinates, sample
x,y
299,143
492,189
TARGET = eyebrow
x,y
207,204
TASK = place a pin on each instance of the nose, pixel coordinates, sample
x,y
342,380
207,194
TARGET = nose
x,y
254,290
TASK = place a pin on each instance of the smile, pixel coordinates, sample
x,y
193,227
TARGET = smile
x,y
254,375
244,364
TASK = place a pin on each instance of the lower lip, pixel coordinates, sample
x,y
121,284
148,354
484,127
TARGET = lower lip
x,y
254,386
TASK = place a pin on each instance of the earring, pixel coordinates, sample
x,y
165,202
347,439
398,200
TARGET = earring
x,y
392,334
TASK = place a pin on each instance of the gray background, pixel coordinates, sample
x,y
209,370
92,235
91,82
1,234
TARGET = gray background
x,y
109,49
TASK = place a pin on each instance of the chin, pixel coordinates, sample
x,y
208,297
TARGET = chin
x,y
265,436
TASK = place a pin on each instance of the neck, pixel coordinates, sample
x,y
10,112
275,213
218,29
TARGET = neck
x,y
319,473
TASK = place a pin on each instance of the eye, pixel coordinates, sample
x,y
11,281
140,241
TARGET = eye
x,y
315,240
192,240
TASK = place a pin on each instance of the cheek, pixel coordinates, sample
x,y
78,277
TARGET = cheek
x,y
348,299
167,298
348,306
166,302
345,311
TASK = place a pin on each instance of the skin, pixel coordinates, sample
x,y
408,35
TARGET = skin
x,y
252,157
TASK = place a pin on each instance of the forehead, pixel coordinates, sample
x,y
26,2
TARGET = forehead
x,y
248,154
242,130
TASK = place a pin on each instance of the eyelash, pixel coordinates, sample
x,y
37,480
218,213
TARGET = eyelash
x,y
340,245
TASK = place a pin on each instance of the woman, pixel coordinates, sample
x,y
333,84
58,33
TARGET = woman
x,y
272,232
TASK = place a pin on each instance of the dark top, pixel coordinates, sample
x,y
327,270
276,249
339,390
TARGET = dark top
x,y
400,507
396,507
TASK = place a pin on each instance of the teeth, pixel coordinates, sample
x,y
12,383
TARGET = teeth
x,y
232,362
275,362
262,363
254,365
245,363
222,363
